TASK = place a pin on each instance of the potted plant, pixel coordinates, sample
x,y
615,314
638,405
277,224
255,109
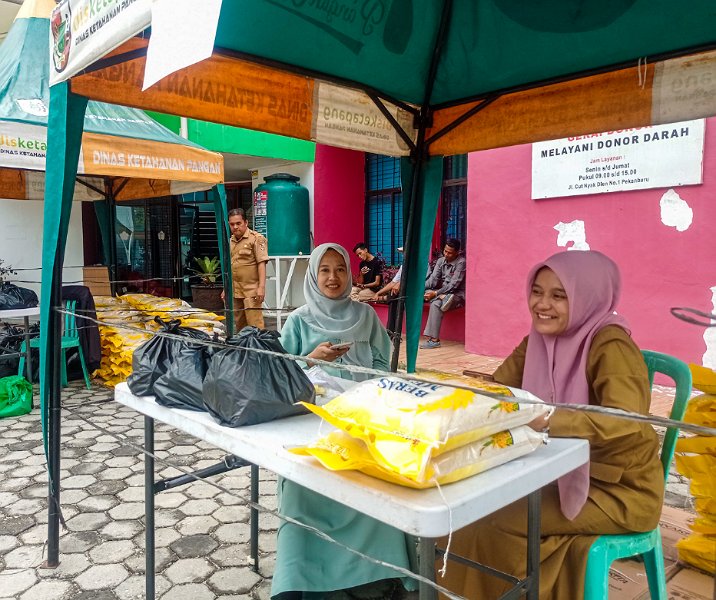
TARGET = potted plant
x,y
5,272
207,293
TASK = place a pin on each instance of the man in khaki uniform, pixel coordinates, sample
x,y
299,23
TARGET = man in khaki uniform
x,y
249,255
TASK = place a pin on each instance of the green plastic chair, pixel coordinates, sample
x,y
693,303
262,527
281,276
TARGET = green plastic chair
x,y
608,548
70,339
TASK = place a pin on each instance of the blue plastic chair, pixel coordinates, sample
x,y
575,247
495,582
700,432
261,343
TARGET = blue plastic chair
x,y
608,548
70,339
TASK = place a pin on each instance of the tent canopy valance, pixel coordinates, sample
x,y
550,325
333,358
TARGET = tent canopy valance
x,y
317,70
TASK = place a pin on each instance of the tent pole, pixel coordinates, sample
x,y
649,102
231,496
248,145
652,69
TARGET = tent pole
x,y
218,193
112,233
54,424
64,135
411,263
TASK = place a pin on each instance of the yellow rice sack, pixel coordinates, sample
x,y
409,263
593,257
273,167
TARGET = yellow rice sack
x,y
704,525
703,378
701,470
339,451
404,424
701,410
699,551
697,445
105,301
706,506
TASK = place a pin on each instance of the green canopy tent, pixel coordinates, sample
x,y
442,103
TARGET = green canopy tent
x,y
418,79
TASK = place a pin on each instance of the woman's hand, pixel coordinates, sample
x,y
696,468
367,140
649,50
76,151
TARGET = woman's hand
x,y
540,424
324,352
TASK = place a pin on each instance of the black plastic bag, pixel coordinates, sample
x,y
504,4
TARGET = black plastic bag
x,y
11,339
154,357
13,297
10,343
181,386
246,388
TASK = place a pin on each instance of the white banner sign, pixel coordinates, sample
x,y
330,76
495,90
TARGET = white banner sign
x,y
24,146
616,161
81,31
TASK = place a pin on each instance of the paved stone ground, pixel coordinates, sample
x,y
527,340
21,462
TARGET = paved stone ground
x,y
202,532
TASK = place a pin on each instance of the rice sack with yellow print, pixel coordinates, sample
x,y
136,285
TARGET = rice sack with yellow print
x,y
338,451
405,425
696,459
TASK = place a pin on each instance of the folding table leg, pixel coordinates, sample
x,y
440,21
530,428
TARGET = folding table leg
x,y
426,567
28,355
255,517
149,507
534,526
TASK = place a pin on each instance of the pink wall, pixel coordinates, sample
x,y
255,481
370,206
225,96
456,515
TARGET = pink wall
x,y
339,197
661,267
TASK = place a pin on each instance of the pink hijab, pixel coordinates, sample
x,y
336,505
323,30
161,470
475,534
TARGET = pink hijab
x,y
555,366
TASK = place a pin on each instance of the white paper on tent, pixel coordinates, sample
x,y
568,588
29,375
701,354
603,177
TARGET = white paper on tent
x,y
183,33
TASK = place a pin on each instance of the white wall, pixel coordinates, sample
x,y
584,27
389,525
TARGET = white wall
x,y
21,241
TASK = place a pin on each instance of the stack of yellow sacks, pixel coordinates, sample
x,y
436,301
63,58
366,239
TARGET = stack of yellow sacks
x,y
136,314
423,434
168,309
118,343
696,459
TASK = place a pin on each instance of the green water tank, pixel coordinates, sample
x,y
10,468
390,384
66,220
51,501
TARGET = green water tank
x,y
281,213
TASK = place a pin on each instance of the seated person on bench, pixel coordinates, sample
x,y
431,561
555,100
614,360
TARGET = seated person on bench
x,y
444,289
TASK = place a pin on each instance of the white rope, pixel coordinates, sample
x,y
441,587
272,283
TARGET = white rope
x,y
604,410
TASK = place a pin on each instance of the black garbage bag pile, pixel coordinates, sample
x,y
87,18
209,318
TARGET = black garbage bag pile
x,y
181,386
13,297
236,387
171,369
11,338
246,388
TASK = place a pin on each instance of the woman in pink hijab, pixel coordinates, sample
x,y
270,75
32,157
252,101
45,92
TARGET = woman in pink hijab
x,y
578,351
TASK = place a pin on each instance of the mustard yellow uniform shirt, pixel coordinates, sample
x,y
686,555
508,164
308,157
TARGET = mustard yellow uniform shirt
x,y
246,254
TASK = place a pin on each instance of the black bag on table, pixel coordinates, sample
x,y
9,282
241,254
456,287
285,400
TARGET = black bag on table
x,y
13,297
154,357
181,386
246,388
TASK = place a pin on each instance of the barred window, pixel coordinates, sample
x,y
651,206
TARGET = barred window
x,y
384,205
453,217
384,208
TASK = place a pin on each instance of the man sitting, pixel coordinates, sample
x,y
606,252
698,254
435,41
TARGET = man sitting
x,y
444,289
370,274
390,290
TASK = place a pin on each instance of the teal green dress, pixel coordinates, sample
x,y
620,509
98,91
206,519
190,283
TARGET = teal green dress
x,y
305,562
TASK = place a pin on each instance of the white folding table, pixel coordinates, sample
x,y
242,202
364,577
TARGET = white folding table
x,y
426,514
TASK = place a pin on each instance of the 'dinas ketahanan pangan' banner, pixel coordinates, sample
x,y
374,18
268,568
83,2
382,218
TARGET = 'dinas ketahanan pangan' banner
x,y
616,161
